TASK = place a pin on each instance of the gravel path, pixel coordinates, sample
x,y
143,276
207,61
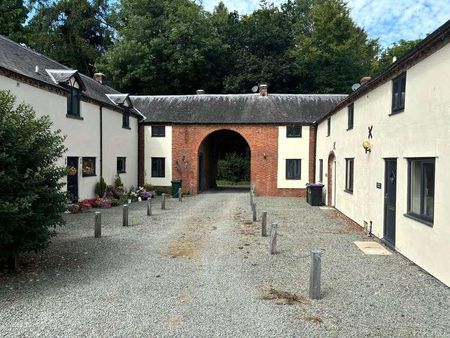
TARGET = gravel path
x,y
201,269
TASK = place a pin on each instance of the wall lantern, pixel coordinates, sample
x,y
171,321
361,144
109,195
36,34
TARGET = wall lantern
x,y
367,146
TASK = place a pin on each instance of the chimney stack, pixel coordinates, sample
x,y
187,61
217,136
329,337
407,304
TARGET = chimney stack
x,y
200,92
100,78
364,80
263,90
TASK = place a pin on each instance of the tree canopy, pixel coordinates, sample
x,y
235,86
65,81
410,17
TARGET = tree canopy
x,y
176,47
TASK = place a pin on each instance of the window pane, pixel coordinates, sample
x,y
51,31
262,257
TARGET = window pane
x,y
158,131
158,167
293,169
88,166
415,187
428,189
294,131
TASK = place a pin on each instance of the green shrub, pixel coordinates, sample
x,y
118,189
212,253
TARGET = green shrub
x,y
100,187
31,196
163,190
233,168
149,187
118,182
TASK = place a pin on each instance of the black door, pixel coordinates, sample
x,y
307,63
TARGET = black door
x,y
72,178
200,171
390,191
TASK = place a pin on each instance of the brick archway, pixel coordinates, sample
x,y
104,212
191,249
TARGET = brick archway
x,y
211,148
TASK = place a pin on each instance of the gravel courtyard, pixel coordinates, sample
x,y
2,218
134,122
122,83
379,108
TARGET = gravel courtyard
x,y
201,269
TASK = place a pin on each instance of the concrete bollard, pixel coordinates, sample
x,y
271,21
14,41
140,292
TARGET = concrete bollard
x,y
254,211
125,215
98,224
273,238
264,224
149,207
314,280
180,195
163,202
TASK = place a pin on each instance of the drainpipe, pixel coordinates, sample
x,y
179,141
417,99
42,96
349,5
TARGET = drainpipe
x,y
315,126
101,142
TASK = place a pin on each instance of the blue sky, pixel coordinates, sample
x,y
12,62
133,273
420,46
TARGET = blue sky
x,y
388,20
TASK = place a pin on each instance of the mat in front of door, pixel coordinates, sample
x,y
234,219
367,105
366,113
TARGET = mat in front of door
x,y
373,248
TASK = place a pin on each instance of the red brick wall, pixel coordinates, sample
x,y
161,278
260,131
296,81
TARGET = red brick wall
x,y
263,142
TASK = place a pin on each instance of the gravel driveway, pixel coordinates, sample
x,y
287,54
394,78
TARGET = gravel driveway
x,y
201,269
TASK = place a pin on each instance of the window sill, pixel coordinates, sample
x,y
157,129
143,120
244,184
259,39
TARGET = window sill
x,y
348,191
158,176
419,219
349,129
293,137
75,117
121,172
395,112
293,179
89,175
158,136
125,127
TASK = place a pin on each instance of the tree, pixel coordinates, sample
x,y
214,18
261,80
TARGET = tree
x,y
331,51
73,32
31,200
397,49
163,47
13,14
261,52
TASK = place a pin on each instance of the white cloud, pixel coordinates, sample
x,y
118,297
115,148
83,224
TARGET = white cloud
x,y
387,20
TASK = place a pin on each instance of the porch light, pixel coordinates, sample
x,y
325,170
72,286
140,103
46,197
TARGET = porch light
x,y
367,146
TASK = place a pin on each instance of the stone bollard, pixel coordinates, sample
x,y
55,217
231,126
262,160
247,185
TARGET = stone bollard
x,y
254,211
264,224
163,202
314,280
149,207
180,195
98,224
125,215
273,238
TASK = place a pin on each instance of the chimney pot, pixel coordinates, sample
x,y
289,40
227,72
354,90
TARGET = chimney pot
x,y
100,78
200,92
364,80
263,90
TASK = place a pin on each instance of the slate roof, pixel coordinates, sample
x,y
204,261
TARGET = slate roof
x,y
23,61
239,108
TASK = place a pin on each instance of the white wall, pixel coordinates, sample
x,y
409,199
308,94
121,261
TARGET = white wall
x,y
421,130
158,147
119,142
293,148
83,136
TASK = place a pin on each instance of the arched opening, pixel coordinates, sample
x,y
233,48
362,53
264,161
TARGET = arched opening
x,y
223,161
331,185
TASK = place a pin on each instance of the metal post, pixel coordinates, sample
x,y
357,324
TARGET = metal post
x,y
125,215
180,195
254,211
273,238
149,207
264,224
251,198
314,280
98,224
163,202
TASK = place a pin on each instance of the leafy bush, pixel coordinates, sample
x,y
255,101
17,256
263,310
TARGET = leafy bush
x,y
31,196
118,182
162,190
233,168
100,187
148,187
